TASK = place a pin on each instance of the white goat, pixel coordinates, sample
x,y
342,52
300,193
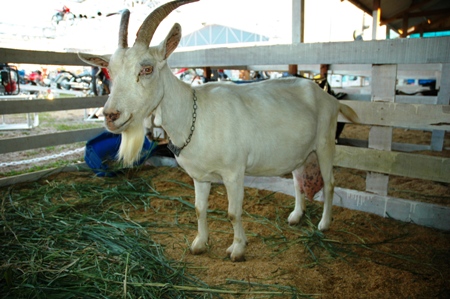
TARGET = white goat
x,y
220,131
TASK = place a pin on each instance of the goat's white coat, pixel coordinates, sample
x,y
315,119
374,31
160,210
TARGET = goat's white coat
x,y
259,129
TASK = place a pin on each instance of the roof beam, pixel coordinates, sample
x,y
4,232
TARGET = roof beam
x,y
433,26
400,15
425,13
428,13
364,8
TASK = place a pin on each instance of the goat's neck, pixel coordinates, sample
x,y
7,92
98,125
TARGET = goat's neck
x,y
175,111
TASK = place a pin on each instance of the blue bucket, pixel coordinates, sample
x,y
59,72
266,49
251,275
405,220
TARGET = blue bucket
x,y
102,150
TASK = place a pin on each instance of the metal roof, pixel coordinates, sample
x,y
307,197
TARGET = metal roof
x,y
410,16
217,35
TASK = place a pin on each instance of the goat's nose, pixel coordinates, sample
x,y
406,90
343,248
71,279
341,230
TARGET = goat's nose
x,y
111,116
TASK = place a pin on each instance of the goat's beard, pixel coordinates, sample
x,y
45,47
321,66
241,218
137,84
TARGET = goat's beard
x,y
131,145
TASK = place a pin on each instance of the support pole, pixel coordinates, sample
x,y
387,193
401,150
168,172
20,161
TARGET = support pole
x,y
298,28
324,70
293,69
376,15
207,74
298,21
405,25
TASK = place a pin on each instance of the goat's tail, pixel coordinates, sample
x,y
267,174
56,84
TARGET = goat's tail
x,y
349,113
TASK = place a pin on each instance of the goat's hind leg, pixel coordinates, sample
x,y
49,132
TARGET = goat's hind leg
x,y
300,203
199,245
235,192
325,155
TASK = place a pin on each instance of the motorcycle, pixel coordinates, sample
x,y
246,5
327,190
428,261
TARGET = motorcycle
x,y
9,80
35,78
100,86
67,80
63,15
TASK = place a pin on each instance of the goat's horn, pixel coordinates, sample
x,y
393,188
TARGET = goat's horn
x,y
148,27
123,29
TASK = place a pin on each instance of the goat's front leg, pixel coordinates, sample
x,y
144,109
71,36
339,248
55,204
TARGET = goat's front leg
x,y
235,191
201,206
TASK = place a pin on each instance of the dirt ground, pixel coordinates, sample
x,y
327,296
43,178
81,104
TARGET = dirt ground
x,y
361,256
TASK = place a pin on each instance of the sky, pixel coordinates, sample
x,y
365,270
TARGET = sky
x,y
325,20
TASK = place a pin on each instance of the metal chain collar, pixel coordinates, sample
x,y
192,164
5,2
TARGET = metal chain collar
x,y
177,150
39,159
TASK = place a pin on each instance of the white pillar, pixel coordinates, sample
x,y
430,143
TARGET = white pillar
x,y
298,21
376,15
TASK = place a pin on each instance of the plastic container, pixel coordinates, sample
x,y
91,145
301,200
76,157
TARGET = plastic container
x,y
101,151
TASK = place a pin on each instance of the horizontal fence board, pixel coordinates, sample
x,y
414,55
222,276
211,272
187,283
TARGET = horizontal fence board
x,y
407,68
395,163
426,214
31,88
45,140
397,51
408,116
12,106
28,106
421,213
396,146
409,71
429,100
37,175
353,96
40,57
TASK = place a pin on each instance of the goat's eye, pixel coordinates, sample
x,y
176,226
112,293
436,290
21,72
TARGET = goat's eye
x,y
146,70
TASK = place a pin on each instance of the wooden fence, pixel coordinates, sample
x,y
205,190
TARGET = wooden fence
x,y
383,61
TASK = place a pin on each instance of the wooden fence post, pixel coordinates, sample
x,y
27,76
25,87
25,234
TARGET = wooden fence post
x,y
207,74
384,79
293,69
437,137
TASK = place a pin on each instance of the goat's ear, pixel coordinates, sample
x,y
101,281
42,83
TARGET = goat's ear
x,y
172,40
95,60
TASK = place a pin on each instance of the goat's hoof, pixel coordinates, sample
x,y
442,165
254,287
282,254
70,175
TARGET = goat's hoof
x,y
324,225
230,250
236,259
294,218
196,251
198,247
236,253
